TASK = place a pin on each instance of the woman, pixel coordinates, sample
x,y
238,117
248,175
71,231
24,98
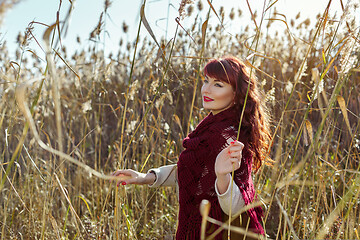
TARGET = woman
x,y
212,151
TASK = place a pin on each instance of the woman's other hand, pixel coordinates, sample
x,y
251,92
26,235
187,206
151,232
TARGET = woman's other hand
x,y
225,160
129,176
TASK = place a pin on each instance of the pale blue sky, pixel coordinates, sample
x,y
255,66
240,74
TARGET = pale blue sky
x,y
86,14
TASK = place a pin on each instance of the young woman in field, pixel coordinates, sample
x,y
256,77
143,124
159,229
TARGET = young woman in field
x,y
212,150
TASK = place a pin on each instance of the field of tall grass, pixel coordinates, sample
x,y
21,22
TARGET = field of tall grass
x,y
68,121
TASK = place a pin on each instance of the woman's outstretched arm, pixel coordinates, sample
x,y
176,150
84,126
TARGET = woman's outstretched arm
x,y
155,177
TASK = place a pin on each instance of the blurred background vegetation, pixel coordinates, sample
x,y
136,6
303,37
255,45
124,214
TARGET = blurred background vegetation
x,y
132,109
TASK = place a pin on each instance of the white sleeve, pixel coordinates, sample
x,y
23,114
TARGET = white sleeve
x,y
165,176
224,199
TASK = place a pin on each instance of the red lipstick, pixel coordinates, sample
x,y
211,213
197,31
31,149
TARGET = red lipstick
x,y
207,99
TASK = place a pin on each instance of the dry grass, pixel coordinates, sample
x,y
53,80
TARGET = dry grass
x,y
136,105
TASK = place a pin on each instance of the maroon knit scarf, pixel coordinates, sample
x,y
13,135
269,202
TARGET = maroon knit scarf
x,y
196,175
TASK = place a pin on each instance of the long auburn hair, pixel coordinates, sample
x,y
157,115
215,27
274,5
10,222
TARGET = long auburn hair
x,y
255,121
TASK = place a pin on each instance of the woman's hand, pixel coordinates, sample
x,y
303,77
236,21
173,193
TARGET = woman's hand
x,y
225,160
129,176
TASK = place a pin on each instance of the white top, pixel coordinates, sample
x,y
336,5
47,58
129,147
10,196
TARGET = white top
x,y
167,176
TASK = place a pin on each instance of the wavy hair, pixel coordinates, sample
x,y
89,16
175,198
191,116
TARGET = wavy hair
x,y
255,121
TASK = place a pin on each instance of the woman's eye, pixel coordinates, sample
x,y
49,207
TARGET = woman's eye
x,y
217,85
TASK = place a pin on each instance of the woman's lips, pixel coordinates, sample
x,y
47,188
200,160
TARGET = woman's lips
x,y
207,99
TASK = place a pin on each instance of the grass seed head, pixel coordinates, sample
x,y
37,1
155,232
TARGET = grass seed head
x,y
182,7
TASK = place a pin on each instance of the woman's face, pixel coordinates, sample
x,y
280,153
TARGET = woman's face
x,y
216,95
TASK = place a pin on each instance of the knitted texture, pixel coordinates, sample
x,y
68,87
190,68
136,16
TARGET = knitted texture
x,y
196,173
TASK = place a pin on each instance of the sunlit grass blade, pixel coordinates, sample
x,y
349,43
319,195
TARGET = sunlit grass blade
x,y
343,108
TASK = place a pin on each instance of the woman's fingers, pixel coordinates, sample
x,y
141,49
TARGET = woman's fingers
x,y
229,158
236,154
122,172
236,143
123,176
129,176
235,162
235,149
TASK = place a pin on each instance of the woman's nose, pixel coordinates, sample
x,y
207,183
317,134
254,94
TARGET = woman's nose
x,y
205,88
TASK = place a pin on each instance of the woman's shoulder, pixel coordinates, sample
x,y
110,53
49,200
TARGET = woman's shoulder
x,y
225,134
219,136
225,129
